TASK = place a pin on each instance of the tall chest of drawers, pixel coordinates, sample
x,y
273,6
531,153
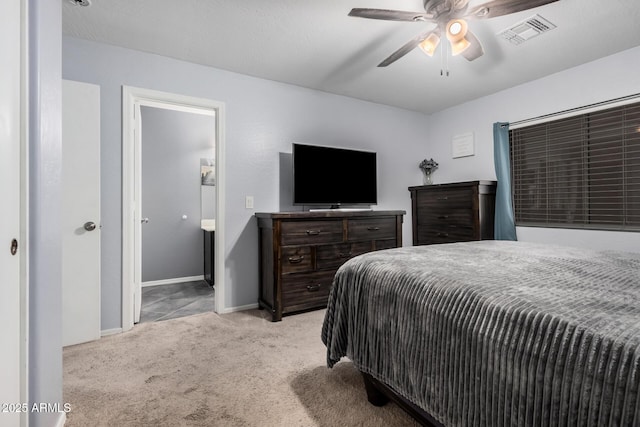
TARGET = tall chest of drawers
x,y
300,252
456,212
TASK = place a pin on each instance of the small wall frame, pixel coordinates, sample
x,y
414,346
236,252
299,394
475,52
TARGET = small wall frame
x,y
462,145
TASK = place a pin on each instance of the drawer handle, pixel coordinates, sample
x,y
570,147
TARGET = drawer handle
x,y
373,228
296,259
443,234
314,288
443,217
344,255
443,198
312,232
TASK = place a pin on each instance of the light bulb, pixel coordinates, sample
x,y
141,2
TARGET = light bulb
x,y
455,28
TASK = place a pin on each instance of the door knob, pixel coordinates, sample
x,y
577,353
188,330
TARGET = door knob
x,y
144,220
89,226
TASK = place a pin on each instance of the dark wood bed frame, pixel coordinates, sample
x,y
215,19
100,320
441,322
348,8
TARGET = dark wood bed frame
x,y
379,394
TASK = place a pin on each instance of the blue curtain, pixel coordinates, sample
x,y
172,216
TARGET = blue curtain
x,y
505,226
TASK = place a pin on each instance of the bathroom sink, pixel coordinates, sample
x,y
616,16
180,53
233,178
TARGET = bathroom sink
x,y
208,224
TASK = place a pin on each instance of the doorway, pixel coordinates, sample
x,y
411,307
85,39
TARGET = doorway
x,y
177,153
134,99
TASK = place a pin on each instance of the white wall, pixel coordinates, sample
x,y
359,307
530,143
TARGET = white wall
x,y
263,119
608,78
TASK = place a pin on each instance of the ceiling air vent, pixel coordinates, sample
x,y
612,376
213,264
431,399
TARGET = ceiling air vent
x,y
526,30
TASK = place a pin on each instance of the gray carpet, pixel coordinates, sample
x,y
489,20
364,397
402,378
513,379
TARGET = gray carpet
x,y
239,369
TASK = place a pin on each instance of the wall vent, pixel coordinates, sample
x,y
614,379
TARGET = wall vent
x,y
526,30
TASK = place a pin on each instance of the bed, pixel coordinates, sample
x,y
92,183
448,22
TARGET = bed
x,y
493,333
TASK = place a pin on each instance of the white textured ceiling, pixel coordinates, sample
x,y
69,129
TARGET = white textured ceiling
x,y
314,44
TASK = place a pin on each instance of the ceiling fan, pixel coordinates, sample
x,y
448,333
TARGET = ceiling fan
x,y
451,17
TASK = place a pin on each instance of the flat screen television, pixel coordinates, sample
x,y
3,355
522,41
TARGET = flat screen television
x,y
334,176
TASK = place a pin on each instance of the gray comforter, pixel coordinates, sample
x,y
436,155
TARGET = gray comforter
x,y
495,333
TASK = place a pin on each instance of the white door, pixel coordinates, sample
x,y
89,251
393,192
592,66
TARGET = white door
x,y
80,212
132,99
10,211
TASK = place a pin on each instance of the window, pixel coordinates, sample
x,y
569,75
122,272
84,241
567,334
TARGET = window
x,y
579,172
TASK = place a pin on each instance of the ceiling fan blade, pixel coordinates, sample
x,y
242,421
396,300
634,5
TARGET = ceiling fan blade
x,y
390,15
408,47
496,8
475,50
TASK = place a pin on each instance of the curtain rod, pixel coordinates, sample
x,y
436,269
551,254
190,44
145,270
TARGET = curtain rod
x,y
575,110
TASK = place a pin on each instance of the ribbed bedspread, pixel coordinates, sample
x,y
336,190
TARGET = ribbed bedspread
x,y
495,333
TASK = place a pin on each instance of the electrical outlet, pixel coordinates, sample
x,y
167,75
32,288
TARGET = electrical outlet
x,y
248,202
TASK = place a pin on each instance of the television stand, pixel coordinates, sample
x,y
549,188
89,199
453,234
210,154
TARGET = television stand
x,y
300,253
339,209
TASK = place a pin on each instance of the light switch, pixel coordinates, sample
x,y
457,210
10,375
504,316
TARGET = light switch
x,y
248,202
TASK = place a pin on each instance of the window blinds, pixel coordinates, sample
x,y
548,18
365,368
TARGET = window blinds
x,y
579,172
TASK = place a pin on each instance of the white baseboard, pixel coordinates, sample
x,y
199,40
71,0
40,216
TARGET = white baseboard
x,y
240,308
107,332
172,281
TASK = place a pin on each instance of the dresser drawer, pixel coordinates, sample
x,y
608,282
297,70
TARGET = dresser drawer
x,y
428,235
385,244
441,216
306,290
446,197
296,259
310,232
333,256
371,229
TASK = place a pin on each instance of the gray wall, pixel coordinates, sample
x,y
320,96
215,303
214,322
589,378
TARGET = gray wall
x,y
45,238
173,142
263,118
208,198
604,79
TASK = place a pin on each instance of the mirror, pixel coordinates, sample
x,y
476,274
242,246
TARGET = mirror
x,y
208,189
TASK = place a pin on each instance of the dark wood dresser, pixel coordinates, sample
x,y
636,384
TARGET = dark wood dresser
x,y
456,212
300,252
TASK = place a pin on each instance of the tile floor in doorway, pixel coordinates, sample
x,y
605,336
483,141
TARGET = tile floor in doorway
x,y
164,302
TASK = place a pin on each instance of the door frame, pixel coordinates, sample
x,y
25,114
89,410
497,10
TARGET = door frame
x,y
16,127
132,99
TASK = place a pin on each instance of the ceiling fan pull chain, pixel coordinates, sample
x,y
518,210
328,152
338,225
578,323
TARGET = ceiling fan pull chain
x,y
444,60
447,59
442,48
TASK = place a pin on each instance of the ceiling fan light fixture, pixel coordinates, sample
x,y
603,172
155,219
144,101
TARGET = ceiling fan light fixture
x,y
456,32
430,44
460,46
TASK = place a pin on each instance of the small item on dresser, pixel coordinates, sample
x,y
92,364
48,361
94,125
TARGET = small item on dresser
x,y
427,167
